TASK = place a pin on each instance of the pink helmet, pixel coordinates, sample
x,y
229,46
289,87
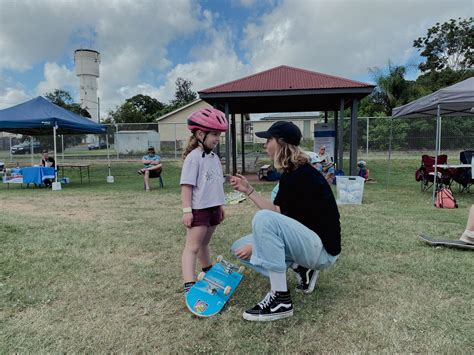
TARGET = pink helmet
x,y
208,119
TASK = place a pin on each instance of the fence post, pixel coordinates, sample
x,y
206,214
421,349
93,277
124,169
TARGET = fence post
x,y
175,144
10,149
367,148
115,140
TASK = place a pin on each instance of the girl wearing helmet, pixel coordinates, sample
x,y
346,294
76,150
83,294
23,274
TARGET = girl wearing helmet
x,y
202,190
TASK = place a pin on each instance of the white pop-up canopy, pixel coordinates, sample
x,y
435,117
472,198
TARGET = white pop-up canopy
x,y
455,100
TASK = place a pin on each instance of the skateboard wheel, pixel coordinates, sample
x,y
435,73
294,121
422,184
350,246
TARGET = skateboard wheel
x,y
201,275
219,258
227,290
241,269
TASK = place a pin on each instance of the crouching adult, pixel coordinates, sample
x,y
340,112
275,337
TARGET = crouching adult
x,y
300,229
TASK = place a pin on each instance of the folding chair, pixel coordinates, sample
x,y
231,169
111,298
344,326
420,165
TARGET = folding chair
x,y
463,176
425,174
158,176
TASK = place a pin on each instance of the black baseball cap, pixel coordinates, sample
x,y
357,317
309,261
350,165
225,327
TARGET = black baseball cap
x,y
287,131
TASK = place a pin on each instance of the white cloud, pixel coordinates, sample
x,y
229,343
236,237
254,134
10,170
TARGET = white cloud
x,y
343,37
340,37
12,96
214,62
247,3
131,36
57,77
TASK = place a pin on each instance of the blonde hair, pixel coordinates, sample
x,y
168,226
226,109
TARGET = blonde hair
x,y
289,157
192,144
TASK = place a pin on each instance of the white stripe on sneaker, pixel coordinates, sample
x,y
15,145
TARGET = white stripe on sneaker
x,y
280,305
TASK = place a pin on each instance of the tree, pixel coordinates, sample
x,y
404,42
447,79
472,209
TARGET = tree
x,y
447,46
137,109
183,93
63,98
392,88
146,105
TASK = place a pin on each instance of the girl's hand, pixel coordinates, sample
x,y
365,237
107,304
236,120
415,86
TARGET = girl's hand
x,y
239,183
244,252
222,213
188,219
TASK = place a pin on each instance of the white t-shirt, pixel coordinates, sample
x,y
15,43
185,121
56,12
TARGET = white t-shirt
x,y
206,176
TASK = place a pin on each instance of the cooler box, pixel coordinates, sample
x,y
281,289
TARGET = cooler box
x,y
350,190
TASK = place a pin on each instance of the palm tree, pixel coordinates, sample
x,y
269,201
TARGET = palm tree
x,y
392,88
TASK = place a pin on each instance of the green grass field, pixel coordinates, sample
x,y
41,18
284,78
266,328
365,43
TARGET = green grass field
x,y
96,268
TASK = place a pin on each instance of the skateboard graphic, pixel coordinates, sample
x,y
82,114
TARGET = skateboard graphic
x,y
456,243
213,289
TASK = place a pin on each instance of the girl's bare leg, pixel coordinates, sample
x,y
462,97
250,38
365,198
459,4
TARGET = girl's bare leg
x,y
195,238
204,254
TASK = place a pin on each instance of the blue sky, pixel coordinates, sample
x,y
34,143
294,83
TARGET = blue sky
x,y
146,44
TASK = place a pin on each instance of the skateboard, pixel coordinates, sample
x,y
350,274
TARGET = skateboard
x,y
446,242
213,289
233,198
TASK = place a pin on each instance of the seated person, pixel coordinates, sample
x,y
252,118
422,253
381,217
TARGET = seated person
x,y
363,171
324,164
151,167
48,162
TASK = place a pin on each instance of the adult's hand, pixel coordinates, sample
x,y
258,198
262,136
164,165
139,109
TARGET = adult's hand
x,y
244,252
239,183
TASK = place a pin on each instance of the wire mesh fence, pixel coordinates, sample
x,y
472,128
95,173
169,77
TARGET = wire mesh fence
x,y
130,141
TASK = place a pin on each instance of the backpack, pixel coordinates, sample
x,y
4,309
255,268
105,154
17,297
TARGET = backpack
x,y
445,199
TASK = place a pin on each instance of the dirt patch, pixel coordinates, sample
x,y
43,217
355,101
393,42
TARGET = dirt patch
x,y
31,208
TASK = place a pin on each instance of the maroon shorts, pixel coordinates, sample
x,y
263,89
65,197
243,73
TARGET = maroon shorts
x,y
207,217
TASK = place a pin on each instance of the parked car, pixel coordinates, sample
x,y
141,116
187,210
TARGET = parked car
x,y
25,148
95,146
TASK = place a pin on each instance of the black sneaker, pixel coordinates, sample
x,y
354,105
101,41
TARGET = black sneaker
x,y
187,286
306,279
274,306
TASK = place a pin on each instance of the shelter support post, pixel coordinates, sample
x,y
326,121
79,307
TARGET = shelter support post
x,y
55,155
242,140
32,150
227,141
353,156
336,143
234,144
437,149
62,147
340,135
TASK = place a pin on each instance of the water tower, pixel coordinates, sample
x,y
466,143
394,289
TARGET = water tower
x,y
87,69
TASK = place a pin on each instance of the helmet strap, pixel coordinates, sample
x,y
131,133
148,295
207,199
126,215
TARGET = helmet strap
x,y
204,147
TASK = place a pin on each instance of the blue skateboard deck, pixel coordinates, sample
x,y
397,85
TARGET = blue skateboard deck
x,y
209,295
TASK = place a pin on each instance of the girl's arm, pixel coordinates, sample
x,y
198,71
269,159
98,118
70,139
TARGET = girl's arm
x,y
186,198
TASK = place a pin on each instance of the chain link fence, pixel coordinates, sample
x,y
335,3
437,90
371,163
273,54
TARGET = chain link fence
x,y
129,142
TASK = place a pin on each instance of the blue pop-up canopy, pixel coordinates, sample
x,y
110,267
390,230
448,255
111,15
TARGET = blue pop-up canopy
x,y
39,116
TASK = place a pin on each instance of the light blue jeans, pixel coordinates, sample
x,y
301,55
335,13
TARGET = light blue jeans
x,y
279,241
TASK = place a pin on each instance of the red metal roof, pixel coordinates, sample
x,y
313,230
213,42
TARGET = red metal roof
x,y
286,78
